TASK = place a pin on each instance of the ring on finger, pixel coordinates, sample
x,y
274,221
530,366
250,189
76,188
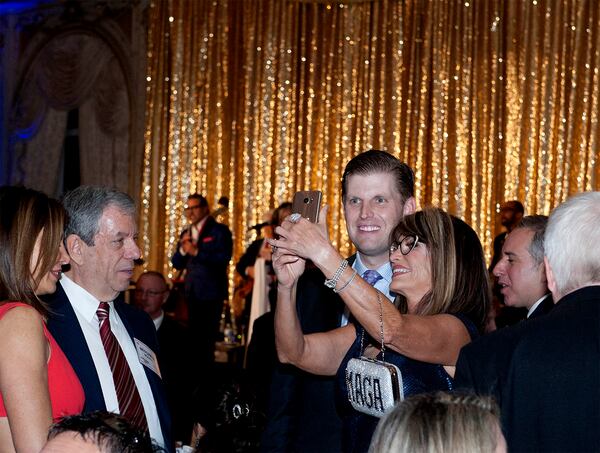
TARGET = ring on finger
x,y
295,217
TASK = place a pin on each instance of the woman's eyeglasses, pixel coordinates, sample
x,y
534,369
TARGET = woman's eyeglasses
x,y
406,245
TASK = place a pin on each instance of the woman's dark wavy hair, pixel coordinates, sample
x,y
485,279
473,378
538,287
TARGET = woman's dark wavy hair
x,y
458,272
24,213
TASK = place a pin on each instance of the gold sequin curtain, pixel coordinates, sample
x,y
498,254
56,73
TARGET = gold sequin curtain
x,y
487,100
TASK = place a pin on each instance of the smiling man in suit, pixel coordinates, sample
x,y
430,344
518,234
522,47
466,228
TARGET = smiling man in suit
x,y
377,191
111,345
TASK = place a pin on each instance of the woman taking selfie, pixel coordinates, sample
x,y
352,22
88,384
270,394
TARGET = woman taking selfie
x,y
439,275
37,383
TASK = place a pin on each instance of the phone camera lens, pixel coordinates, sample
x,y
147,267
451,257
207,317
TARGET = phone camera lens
x,y
306,200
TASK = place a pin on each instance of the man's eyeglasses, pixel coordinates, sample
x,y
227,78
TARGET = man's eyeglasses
x,y
406,245
190,208
148,292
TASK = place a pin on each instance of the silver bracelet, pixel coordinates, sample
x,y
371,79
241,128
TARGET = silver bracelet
x,y
332,282
337,291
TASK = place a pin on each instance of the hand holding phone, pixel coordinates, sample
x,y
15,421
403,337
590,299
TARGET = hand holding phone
x,y
307,203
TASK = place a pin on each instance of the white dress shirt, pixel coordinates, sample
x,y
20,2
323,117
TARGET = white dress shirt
x,y
195,230
85,306
383,284
158,321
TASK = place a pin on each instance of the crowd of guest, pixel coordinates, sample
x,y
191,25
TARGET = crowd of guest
x,y
391,349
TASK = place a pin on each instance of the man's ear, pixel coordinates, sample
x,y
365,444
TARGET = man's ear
x,y
410,206
543,277
75,248
166,296
550,279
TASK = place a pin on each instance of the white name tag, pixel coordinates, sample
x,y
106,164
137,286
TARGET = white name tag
x,y
147,356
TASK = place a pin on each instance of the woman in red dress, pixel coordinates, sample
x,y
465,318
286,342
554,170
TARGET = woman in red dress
x,y
37,383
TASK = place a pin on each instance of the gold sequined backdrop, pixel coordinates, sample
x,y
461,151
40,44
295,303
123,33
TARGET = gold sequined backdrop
x,y
255,99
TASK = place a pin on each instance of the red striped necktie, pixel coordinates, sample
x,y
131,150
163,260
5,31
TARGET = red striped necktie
x,y
130,403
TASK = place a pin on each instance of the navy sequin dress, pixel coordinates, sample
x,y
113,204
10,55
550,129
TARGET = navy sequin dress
x,y
417,377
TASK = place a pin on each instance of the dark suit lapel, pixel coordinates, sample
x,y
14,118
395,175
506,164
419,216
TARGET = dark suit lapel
x,y
206,229
64,327
136,330
544,307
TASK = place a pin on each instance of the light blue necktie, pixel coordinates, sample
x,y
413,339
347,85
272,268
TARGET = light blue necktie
x,y
371,277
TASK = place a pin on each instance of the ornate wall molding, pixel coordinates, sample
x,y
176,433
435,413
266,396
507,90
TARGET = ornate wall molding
x,y
110,32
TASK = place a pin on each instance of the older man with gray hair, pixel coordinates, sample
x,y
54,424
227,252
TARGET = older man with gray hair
x,y
111,345
552,398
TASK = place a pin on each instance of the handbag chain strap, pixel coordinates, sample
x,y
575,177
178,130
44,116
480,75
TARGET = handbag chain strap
x,y
362,336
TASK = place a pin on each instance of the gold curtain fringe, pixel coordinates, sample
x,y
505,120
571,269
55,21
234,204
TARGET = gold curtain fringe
x,y
487,100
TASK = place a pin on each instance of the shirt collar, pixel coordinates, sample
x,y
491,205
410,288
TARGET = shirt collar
x,y
82,301
385,270
158,321
201,223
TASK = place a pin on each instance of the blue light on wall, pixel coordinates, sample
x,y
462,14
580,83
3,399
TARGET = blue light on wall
x,y
16,7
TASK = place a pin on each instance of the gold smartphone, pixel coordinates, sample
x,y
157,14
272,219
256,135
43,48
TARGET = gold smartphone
x,y
307,203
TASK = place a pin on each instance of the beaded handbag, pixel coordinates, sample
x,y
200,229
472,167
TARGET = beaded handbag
x,y
374,386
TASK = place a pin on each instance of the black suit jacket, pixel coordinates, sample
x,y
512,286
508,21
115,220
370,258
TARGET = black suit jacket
x,y
543,308
65,329
552,398
261,358
483,365
249,256
302,416
178,373
206,277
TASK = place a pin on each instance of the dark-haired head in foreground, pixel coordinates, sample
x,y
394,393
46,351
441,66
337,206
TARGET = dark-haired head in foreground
x,y
100,431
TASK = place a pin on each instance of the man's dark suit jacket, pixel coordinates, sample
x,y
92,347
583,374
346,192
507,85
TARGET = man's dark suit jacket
x,y
176,366
65,329
543,308
206,278
249,256
483,365
261,359
302,416
552,398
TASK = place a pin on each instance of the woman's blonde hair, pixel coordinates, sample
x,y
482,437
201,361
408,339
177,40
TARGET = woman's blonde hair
x,y
458,272
24,213
439,423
